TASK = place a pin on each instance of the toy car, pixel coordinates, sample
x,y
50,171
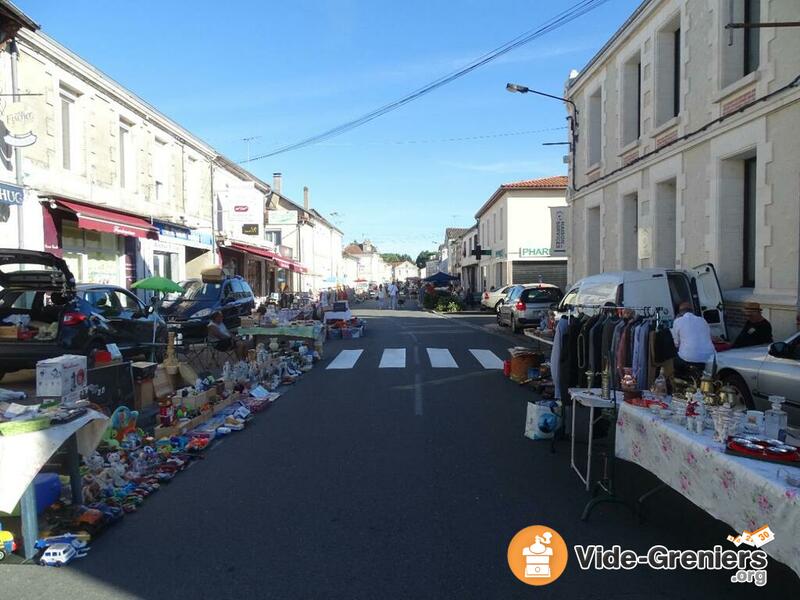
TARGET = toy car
x,y
58,555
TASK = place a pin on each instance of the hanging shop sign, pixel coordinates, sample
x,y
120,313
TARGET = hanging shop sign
x,y
11,194
250,229
282,217
533,252
20,121
559,217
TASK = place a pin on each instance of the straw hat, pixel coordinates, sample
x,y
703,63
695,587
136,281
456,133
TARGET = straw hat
x,y
755,306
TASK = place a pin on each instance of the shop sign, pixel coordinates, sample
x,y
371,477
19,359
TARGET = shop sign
x,y
282,217
250,229
558,230
11,194
242,204
182,234
500,253
533,252
20,121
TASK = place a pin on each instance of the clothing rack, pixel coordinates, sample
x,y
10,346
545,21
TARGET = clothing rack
x,y
604,489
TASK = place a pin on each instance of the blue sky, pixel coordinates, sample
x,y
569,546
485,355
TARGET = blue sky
x,y
286,70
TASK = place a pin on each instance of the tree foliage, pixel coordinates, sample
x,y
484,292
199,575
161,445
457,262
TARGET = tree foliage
x,y
394,257
424,257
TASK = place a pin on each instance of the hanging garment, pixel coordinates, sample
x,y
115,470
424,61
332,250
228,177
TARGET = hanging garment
x,y
596,348
555,354
609,327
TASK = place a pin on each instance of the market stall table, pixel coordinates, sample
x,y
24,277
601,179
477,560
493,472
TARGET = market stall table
x,y
312,332
591,399
22,457
744,493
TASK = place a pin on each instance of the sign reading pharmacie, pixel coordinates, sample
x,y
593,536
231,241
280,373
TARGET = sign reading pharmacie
x,y
533,252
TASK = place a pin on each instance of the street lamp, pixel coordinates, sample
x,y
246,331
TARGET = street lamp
x,y
573,118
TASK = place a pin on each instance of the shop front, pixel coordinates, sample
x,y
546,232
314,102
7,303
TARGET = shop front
x,y
100,245
179,253
265,270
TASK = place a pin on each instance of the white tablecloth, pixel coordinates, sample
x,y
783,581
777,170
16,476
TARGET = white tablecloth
x,y
744,493
22,456
345,315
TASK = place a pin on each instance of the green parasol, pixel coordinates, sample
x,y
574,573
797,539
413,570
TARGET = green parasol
x,y
157,284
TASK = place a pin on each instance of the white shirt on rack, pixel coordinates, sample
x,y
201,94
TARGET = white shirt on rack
x,y
692,337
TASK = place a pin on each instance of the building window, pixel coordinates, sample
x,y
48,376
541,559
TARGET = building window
x,y
501,223
127,164
160,170
749,224
273,236
494,228
664,249
631,100
593,240
752,14
69,129
740,49
595,127
163,263
668,72
498,275
630,232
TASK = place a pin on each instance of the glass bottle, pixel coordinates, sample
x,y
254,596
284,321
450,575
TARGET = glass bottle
x,y
660,385
775,419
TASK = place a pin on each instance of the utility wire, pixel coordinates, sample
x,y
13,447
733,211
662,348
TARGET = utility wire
x,y
467,138
561,19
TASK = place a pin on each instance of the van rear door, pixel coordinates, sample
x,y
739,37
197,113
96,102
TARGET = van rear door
x,y
707,295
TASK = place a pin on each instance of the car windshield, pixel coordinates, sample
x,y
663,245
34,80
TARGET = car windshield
x,y
199,291
543,295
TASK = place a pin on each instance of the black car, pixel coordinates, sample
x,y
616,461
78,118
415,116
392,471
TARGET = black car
x,y
191,312
64,318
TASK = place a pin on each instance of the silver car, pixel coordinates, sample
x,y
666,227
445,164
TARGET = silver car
x,y
762,371
525,305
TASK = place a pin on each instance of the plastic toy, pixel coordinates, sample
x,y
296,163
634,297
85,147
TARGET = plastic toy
x,y
7,543
123,422
73,540
58,555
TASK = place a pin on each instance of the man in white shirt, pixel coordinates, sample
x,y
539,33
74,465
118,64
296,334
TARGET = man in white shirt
x,y
393,291
692,337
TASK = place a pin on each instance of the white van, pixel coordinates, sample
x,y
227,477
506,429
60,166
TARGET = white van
x,y
666,288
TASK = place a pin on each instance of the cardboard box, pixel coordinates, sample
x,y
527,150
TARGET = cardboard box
x,y
144,394
61,375
8,332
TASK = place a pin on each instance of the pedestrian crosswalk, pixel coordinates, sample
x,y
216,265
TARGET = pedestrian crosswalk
x,y
396,358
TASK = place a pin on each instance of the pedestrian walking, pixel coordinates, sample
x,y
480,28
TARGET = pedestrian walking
x,y
393,292
381,297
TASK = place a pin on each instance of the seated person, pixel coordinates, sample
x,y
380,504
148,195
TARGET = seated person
x,y
757,331
223,339
692,337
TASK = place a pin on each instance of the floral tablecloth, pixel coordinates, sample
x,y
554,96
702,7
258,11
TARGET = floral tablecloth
x,y
744,493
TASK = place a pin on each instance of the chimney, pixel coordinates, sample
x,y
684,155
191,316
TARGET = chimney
x,y
305,197
276,182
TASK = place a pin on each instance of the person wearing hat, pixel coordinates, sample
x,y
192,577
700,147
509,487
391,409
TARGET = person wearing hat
x,y
757,331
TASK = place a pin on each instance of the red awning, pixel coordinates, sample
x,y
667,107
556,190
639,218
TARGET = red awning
x,y
280,261
109,221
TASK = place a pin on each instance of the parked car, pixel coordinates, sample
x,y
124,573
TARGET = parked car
x,y
665,288
493,299
7,543
758,372
190,314
65,318
525,305
57,555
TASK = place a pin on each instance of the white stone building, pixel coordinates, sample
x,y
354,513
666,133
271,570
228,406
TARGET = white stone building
x,y
469,263
403,270
514,225
371,266
688,137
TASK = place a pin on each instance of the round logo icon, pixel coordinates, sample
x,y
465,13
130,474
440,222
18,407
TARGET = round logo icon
x,y
537,555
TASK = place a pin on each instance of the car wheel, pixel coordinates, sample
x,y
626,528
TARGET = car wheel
x,y
499,320
514,327
498,305
735,381
2,554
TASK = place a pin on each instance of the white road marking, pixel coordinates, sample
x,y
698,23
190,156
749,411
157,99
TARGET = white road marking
x,y
345,360
441,358
487,358
393,358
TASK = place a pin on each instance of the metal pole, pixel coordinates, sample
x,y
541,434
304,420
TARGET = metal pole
x,y
14,51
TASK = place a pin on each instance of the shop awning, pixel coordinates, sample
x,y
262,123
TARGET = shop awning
x,y
283,263
109,221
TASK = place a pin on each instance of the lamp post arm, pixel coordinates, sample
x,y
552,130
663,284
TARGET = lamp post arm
x,y
567,100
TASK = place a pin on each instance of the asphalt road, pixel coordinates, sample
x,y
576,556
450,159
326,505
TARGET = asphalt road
x,y
376,482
